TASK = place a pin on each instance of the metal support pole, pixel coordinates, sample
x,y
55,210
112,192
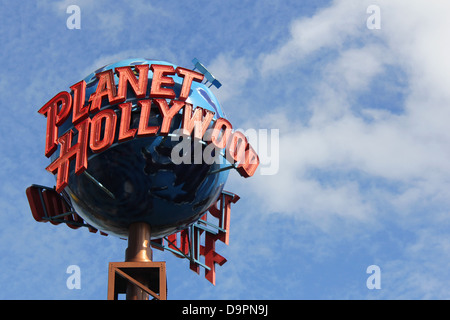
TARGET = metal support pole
x,y
139,250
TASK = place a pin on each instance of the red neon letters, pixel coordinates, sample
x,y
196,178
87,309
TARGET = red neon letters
x,y
96,128
188,241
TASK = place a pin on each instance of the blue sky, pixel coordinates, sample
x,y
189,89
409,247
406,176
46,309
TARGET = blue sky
x,y
362,169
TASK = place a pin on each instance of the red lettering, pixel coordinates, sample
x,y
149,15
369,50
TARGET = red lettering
x,y
221,126
196,247
200,120
55,117
34,200
187,241
236,147
73,221
144,129
250,164
184,242
53,204
188,76
67,152
105,88
126,76
159,79
159,243
125,133
168,113
221,210
99,142
80,112
211,257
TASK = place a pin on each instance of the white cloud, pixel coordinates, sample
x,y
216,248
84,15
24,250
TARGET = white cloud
x,y
329,28
354,69
409,150
233,73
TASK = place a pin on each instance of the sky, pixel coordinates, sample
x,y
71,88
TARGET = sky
x,y
351,104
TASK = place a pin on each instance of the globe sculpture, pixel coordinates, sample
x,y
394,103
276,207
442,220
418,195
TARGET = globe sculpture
x,y
137,180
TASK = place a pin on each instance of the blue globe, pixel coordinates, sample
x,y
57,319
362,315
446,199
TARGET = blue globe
x,y
136,180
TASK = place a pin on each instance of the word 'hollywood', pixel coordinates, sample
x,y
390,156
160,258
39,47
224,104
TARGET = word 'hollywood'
x,y
99,132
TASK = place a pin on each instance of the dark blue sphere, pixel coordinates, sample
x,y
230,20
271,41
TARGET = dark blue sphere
x,y
137,181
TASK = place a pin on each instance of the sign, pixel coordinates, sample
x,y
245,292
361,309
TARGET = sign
x,y
97,128
113,140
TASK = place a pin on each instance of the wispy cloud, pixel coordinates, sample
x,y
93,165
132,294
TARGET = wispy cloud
x,y
359,167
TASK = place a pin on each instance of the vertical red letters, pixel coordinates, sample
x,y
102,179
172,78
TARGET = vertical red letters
x,y
78,151
168,113
199,121
126,76
55,117
100,142
188,76
144,129
159,79
80,112
105,88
